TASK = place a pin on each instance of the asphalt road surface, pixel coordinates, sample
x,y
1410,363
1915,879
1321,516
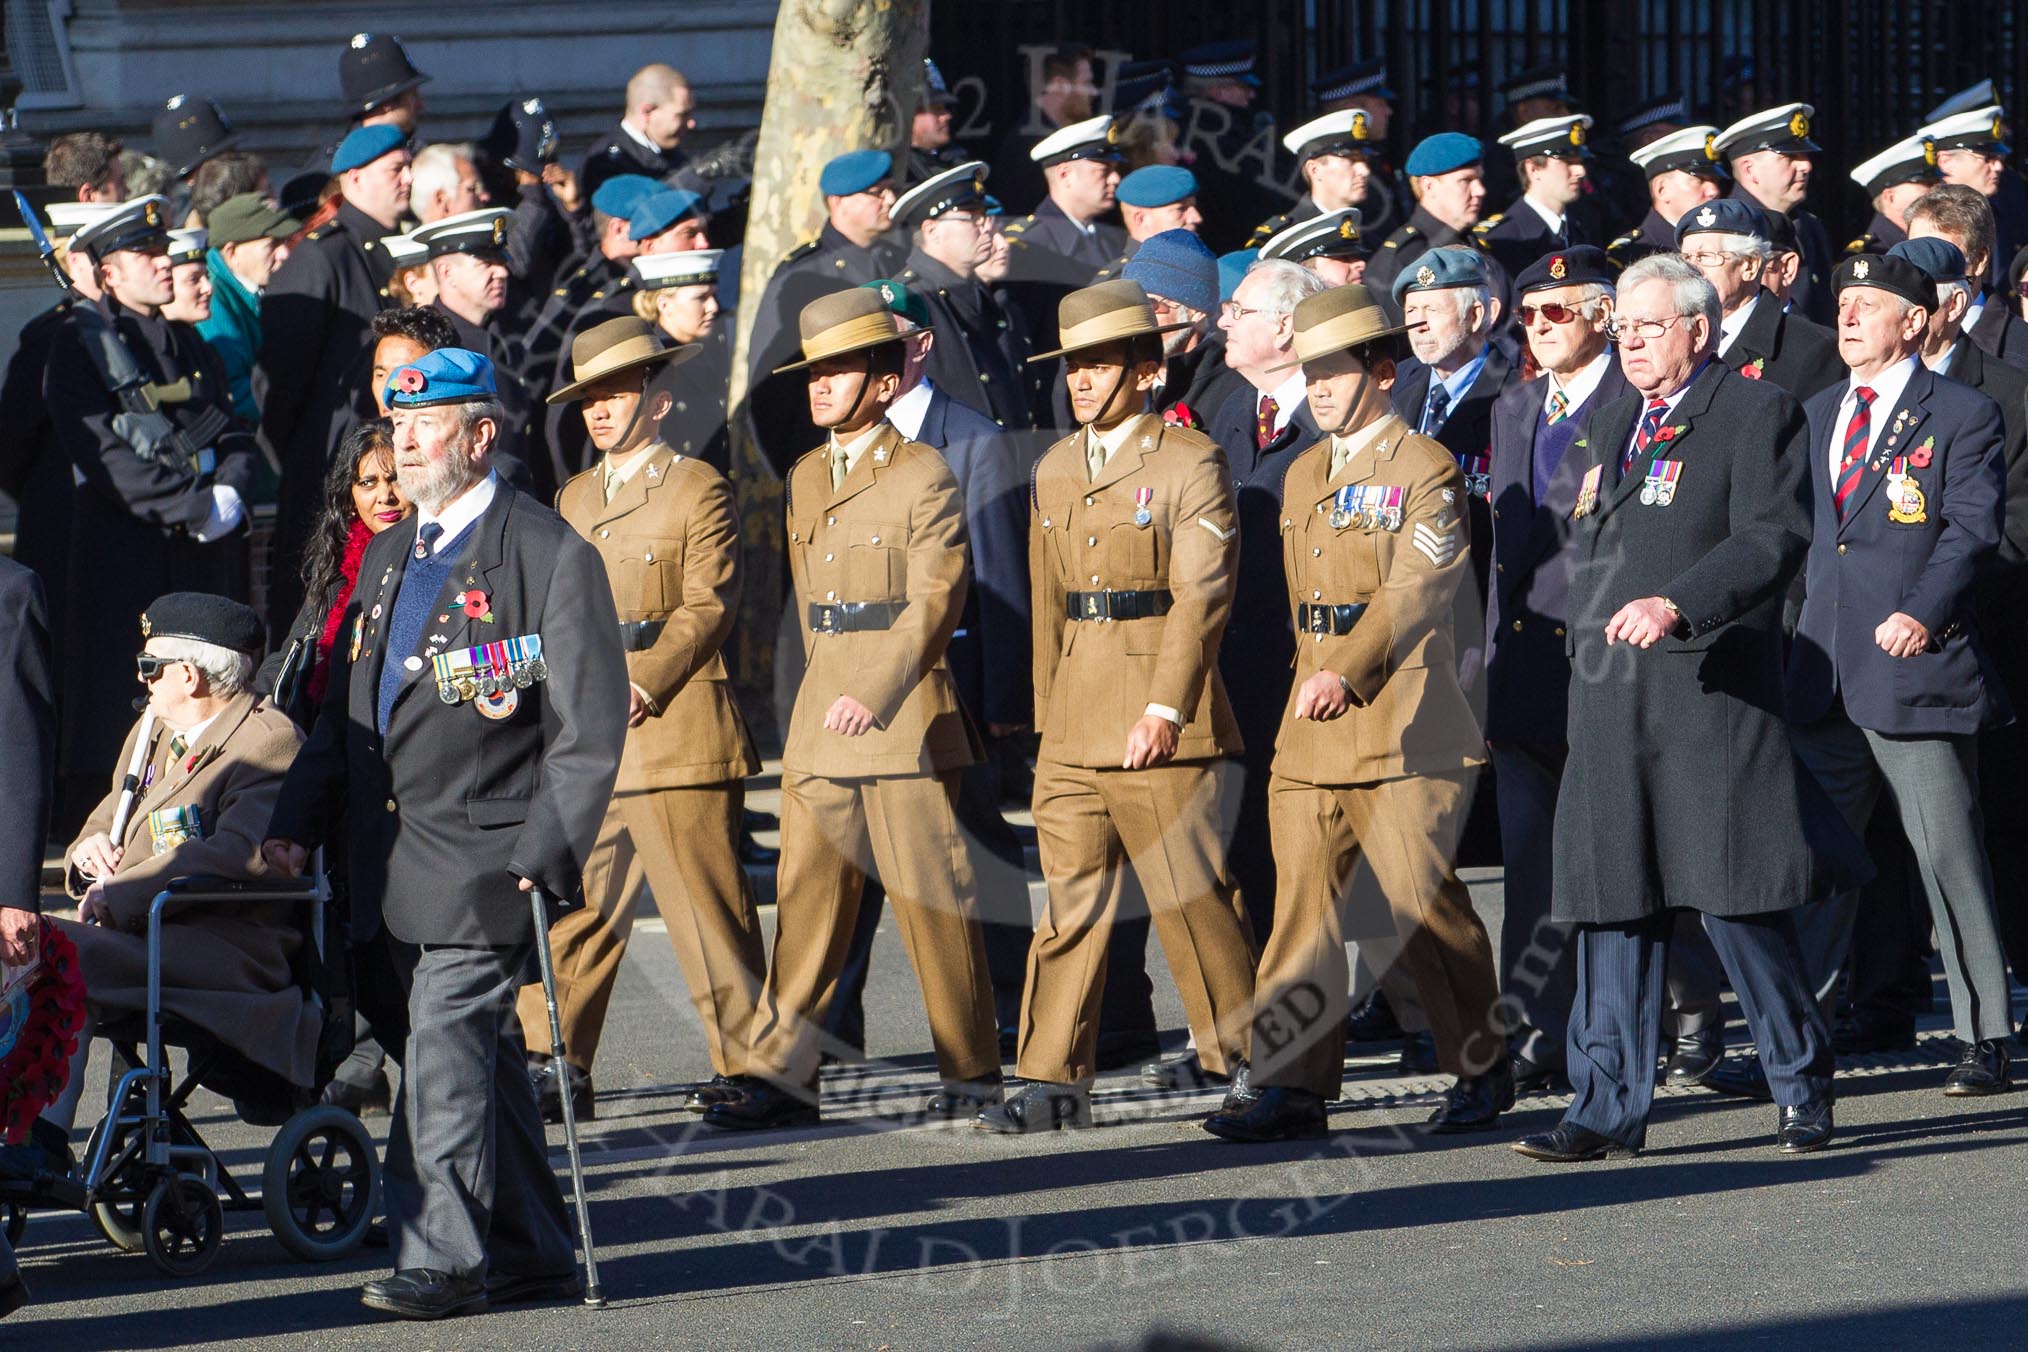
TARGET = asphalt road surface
x,y
872,1231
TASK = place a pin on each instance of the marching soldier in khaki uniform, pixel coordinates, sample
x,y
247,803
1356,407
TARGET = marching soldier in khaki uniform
x,y
664,525
870,766
1378,747
1133,550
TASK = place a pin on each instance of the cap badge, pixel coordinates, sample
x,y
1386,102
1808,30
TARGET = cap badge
x,y
147,627
1799,124
153,214
359,41
1556,268
1113,132
1860,269
1706,217
1346,230
1929,152
1577,133
499,230
532,107
1425,275
1711,146
175,102
1360,130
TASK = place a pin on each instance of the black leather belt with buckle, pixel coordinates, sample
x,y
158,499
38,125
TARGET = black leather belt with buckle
x,y
847,617
1118,605
640,635
1328,619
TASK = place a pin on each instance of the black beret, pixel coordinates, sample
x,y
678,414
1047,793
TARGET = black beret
x,y
1896,276
1566,267
211,619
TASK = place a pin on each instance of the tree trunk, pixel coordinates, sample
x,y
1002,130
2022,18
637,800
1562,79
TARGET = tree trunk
x,y
843,75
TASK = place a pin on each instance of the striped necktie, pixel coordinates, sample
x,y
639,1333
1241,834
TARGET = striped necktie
x,y
1651,423
1559,407
178,744
1439,404
1858,433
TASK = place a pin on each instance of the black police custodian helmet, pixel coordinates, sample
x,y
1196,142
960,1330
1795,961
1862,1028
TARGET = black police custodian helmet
x,y
375,69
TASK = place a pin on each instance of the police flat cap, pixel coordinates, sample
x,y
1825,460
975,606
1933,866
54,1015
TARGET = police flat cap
x,y
1939,259
855,171
246,216
1443,153
1910,160
1335,234
141,223
659,211
1669,107
1884,272
523,136
1536,82
1439,269
482,232
1693,150
1176,265
955,188
374,69
1158,185
1349,131
200,616
449,375
190,131
364,145
1559,138
687,267
1095,138
1722,216
1360,77
1786,129
1578,266
1229,60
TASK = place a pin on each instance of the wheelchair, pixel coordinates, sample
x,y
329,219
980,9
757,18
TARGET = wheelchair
x,y
148,1179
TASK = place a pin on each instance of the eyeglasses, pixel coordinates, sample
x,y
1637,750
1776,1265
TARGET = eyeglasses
x,y
960,218
1551,311
150,666
1619,330
1234,311
1709,259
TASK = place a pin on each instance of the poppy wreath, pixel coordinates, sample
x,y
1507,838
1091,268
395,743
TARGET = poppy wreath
x,y
39,1024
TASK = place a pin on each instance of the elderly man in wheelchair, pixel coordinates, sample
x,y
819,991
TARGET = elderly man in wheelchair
x,y
171,859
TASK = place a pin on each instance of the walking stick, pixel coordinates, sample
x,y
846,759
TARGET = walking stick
x,y
538,899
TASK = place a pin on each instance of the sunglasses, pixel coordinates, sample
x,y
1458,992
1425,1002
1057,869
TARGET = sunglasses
x,y
150,666
1554,313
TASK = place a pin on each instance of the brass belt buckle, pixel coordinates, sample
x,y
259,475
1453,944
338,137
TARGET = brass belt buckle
x,y
827,621
1091,605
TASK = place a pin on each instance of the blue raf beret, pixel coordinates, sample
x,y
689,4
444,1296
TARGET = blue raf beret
x,y
449,375
654,214
1157,185
1723,216
1442,153
1178,266
1566,267
1232,271
1452,265
1940,260
620,194
364,145
855,171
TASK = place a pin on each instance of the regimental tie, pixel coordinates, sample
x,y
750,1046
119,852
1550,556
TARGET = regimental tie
x,y
1644,436
1559,407
1341,455
426,538
1094,453
1858,433
613,482
178,744
1264,422
1439,406
838,466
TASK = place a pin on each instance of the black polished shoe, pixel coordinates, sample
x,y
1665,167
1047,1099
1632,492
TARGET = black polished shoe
x,y
1274,1113
1981,1069
1475,1102
963,1098
1692,1059
548,1095
375,1096
1532,1077
507,1288
1181,1072
1038,1106
717,1089
1803,1128
376,1236
425,1293
1741,1077
13,1295
1866,1035
764,1106
1568,1143
1418,1055
1373,1021
1241,1090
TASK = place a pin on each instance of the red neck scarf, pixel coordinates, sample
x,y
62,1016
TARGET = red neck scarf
x,y
348,578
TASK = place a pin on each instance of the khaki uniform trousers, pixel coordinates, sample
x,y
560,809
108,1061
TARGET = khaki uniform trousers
x,y
1406,831
681,843
903,829
1164,822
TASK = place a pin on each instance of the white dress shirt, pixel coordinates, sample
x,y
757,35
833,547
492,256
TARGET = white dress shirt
x,y
1581,386
907,413
1730,325
1887,388
461,511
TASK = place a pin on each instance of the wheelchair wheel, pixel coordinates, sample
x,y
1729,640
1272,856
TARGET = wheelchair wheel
x,y
319,1184
119,1221
182,1225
